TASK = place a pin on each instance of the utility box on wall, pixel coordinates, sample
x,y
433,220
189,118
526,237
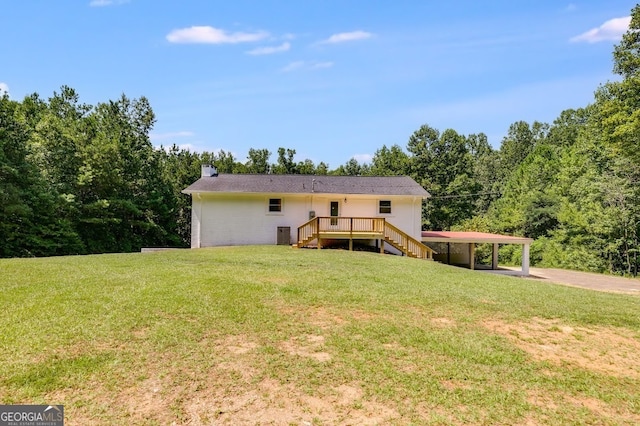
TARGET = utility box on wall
x,y
284,236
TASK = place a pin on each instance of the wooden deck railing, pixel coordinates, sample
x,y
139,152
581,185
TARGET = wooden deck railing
x,y
406,243
308,232
361,227
351,224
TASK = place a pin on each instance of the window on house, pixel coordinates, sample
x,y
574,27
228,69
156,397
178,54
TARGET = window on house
x,y
275,205
385,207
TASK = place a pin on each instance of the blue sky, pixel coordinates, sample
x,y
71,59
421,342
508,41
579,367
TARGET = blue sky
x,y
332,79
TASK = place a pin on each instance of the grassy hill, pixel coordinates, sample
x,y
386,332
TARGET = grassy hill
x,y
271,335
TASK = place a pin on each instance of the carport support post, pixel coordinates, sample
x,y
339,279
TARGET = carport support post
x,y
494,257
472,256
525,260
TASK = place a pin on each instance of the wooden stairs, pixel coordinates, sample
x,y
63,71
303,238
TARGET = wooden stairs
x,y
361,228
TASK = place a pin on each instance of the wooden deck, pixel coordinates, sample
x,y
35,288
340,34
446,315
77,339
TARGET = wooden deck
x,y
361,228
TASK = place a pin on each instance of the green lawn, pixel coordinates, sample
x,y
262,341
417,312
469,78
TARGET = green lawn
x,y
273,335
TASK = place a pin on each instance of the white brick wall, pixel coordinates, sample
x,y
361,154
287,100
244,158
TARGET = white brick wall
x,y
241,219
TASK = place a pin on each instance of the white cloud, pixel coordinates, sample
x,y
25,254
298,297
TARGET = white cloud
x,y
320,65
612,30
187,147
4,88
211,35
363,158
268,50
170,135
309,65
571,7
103,3
293,66
350,36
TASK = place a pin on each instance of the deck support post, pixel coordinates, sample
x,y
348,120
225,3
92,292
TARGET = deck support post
x,y
381,246
319,242
350,233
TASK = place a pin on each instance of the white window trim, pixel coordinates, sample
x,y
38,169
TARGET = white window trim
x,y
268,205
390,208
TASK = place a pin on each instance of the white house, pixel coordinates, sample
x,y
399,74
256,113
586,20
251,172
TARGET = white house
x,y
241,209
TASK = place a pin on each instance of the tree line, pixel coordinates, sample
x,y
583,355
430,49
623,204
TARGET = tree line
x,y
78,178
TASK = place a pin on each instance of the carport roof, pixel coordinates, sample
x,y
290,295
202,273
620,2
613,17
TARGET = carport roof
x,y
471,237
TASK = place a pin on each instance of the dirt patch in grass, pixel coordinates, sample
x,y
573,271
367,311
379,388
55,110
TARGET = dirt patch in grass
x,y
227,385
140,333
323,318
309,346
237,345
610,351
150,399
271,402
453,385
420,316
557,402
257,398
359,315
443,322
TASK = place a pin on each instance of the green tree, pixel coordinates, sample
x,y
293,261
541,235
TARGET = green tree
x,y
306,167
519,142
225,162
442,164
528,205
286,164
30,219
322,169
619,101
258,161
181,168
60,134
478,145
626,55
126,202
615,124
567,127
486,164
352,168
390,162
585,225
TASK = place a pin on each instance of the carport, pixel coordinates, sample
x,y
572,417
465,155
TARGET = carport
x,y
448,244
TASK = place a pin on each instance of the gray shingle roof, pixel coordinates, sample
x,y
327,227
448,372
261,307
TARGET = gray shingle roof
x,y
307,184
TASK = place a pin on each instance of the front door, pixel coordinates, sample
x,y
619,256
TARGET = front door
x,y
334,212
